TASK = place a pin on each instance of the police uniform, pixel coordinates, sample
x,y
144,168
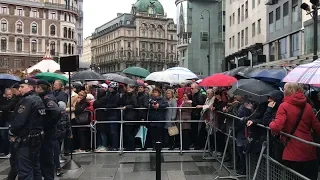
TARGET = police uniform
x,y
53,115
26,128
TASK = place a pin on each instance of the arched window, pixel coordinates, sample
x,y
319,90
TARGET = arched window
x,y
52,48
65,32
69,33
143,33
69,18
34,46
151,56
19,45
171,57
52,30
72,34
143,56
3,43
159,57
19,27
129,55
72,49
4,26
34,28
69,48
65,48
65,16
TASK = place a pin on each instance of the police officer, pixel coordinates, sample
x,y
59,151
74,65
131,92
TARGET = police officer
x,y
26,131
53,115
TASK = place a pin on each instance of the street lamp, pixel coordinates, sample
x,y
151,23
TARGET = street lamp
x,y
209,38
314,15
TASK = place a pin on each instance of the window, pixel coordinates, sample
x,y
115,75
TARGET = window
x,y
34,13
19,12
53,15
4,10
4,26
17,63
69,48
33,46
271,51
143,33
242,12
159,34
65,32
285,9
65,16
19,27
69,33
295,10
151,33
242,38
72,49
3,44
253,29
171,37
246,36
230,18
238,40
19,45
229,43
294,47
271,17
52,30
233,18
65,48
72,36
239,15
34,28
159,46
151,46
172,48
278,13
259,26
282,48
52,48
253,4
143,46
129,44
246,11
233,41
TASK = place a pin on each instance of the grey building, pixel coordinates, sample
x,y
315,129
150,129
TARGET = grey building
x,y
193,33
285,38
79,28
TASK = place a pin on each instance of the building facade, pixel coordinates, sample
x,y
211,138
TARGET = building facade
x,y
79,28
145,37
85,59
285,36
196,40
28,27
246,32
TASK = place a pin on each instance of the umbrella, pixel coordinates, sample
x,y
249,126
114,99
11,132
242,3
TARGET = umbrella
x,y
142,134
270,75
51,77
119,78
136,71
243,72
254,89
219,80
181,73
305,74
162,76
234,72
8,80
87,76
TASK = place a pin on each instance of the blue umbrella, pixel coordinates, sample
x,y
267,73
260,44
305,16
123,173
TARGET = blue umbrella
x,y
269,75
8,80
142,134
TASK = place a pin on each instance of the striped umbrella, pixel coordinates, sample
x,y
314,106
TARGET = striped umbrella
x,y
305,74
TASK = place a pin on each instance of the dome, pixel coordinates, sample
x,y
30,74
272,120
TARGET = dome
x,y
143,6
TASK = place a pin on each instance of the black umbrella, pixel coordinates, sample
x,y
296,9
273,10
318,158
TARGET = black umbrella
x,y
87,76
8,80
244,72
119,78
253,89
235,71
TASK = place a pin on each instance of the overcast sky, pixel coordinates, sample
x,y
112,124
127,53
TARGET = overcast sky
x,y
98,12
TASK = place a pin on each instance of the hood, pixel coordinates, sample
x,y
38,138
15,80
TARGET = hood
x,y
180,93
276,95
297,99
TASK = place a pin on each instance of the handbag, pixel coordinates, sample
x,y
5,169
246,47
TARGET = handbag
x,y
280,146
173,130
82,118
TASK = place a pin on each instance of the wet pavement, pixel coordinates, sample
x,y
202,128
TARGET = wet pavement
x,y
135,166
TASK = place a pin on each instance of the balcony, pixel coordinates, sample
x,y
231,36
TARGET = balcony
x,y
62,7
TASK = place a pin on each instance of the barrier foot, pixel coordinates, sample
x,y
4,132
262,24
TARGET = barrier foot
x,y
71,165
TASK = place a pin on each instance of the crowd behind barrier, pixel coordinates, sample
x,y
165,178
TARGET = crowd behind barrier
x,y
260,164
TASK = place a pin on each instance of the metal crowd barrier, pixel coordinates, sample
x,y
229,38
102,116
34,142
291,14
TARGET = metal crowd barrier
x,y
122,122
259,166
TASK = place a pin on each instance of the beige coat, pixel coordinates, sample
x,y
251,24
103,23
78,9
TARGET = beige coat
x,y
74,97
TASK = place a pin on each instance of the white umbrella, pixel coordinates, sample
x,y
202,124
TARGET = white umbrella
x,y
181,73
162,76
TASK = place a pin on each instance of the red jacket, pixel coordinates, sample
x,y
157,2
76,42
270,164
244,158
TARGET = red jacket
x,y
91,109
285,120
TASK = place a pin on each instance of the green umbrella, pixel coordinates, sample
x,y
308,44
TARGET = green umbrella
x,y
136,71
51,77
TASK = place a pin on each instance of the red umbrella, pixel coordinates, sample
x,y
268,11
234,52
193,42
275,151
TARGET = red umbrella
x,y
218,80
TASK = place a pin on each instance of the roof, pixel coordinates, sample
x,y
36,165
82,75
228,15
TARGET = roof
x,y
143,6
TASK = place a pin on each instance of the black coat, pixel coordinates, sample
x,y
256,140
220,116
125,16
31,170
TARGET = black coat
x,y
130,101
110,100
158,114
143,102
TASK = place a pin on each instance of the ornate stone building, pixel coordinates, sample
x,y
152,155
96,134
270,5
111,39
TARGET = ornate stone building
x,y
27,27
145,38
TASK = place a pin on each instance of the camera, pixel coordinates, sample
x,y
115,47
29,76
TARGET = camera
x,y
153,102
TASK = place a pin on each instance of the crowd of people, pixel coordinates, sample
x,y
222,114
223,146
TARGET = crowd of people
x,y
44,116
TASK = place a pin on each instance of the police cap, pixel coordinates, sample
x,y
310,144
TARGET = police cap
x,y
28,81
15,86
43,82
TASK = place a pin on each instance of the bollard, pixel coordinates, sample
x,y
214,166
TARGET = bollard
x,y
158,160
